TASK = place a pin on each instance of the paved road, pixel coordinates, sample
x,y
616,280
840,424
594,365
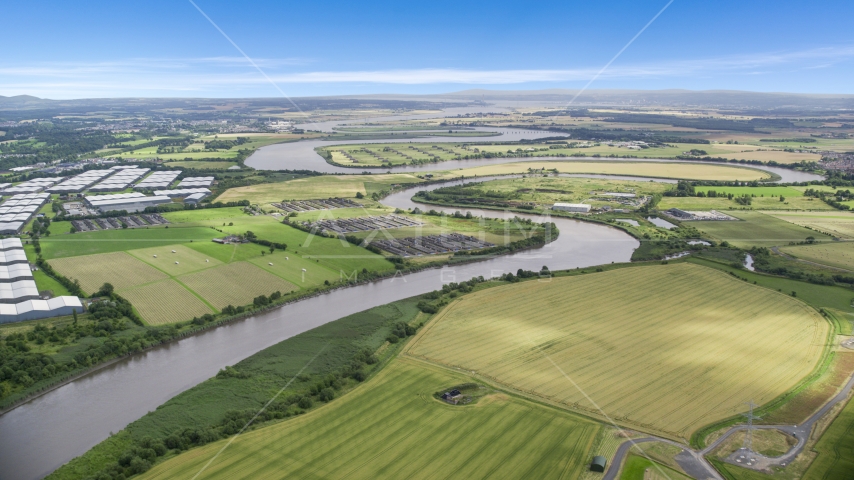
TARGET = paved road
x,y
695,464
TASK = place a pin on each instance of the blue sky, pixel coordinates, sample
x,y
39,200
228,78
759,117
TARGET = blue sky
x,y
58,49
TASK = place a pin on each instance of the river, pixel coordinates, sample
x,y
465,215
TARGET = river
x,y
302,156
41,435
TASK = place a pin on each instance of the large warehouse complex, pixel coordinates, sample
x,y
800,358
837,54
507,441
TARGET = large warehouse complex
x,y
19,296
18,210
30,196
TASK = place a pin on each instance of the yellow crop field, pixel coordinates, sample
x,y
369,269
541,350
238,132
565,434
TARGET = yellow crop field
x,y
119,268
313,187
395,429
164,258
835,254
692,171
664,348
234,284
836,223
165,301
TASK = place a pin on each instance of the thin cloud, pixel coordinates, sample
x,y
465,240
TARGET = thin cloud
x,y
137,76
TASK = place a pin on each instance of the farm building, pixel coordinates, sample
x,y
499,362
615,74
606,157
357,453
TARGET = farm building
x,y
598,464
677,213
130,202
453,397
572,207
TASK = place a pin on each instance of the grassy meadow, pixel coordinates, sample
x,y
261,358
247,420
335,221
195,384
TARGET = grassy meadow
x,y
661,354
392,427
324,186
757,229
794,203
835,448
545,191
836,223
834,254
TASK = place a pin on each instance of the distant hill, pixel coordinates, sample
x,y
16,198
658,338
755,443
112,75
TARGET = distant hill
x,y
742,101
22,100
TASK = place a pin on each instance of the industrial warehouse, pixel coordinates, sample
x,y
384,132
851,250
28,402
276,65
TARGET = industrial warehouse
x,y
19,296
18,210
129,202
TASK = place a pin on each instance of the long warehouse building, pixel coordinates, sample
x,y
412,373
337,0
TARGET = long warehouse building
x,y
129,202
19,295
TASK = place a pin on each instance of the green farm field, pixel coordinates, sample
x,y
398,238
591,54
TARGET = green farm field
x,y
165,301
175,259
61,244
197,150
835,448
118,268
757,191
325,186
757,229
637,467
392,427
797,203
836,223
661,354
545,191
834,254
328,253
234,284
686,171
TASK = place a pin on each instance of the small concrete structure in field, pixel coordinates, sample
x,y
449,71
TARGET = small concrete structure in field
x,y
572,207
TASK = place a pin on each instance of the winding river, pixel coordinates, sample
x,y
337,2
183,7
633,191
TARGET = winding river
x,y
41,435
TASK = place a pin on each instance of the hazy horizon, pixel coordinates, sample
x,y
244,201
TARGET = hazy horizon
x,y
213,49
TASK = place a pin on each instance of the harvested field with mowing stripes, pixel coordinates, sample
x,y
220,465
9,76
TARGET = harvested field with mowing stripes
x,y
119,268
234,284
395,429
164,302
666,349
175,259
